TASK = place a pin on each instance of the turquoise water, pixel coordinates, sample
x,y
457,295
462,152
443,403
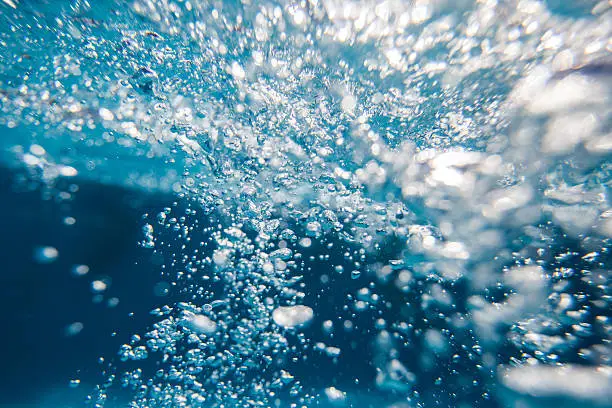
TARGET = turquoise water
x,y
366,203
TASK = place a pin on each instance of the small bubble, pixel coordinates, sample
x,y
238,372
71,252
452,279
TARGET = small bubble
x,y
292,316
221,257
328,326
37,150
68,171
305,242
46,254
80,270
99,286
106,114
335,396
237,71
202,324
349,103
73,329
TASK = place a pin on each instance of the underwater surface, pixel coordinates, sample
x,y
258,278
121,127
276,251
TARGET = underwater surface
x,y
313,203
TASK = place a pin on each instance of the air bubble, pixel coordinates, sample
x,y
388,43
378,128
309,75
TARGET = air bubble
x,y
46,254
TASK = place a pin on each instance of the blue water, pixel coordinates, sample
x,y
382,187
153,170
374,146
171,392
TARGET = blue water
x,y
310,203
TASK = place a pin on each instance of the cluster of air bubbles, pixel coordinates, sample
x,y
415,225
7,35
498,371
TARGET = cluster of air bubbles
x,y
419,184
148,241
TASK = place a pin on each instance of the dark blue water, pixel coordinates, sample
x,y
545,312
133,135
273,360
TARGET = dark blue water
x,y
41,300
